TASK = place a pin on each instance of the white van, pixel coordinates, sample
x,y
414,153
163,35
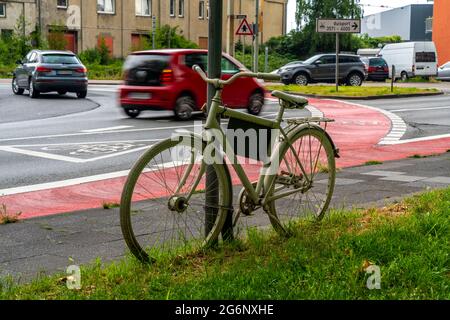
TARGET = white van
x,y
411,59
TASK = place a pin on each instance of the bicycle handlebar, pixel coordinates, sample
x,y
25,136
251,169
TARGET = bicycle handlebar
x,y
221,83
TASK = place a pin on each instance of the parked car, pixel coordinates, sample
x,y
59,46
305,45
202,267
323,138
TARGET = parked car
x,y
411,59
164,80
378,69
444,72
322,68
290,64
46,71
368,53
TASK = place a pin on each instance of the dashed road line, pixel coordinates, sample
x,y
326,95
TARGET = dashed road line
x,y
107,129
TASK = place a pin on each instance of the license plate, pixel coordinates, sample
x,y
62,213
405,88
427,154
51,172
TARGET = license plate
x,y
65,72
139,95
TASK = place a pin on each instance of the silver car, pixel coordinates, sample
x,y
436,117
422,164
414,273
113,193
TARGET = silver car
x,y
50,70
444,72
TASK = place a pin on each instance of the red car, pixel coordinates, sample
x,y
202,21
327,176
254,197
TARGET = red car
x,y
164,80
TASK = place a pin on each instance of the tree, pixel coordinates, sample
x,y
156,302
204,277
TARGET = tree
x,y
308,11
168,37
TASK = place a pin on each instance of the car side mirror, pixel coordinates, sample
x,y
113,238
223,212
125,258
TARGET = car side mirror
x,y
19,62
318,62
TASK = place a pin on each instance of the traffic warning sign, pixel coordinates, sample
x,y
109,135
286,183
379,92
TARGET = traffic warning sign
x,y
244,29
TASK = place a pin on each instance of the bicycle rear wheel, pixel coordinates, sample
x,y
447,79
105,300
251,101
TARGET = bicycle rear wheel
x,y
163,201
307,180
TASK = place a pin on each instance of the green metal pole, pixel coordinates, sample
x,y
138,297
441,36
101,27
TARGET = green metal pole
x,y
214,71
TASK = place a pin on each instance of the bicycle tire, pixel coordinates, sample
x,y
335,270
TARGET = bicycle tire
x,y
284,211
134,197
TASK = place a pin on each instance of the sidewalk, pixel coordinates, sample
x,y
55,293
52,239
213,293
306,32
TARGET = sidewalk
x,y
50,244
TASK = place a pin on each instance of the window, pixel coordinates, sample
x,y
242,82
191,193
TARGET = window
x,y
200,59
425,57
328,59
59,59
7,34
181,8
143,7
201,9
377,62
106,6
228,66
61,4
2,10
172,8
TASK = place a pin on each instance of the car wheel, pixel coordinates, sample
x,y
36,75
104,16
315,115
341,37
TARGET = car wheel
x,y
301,79
61,92
132,113
184,107
81,94
255,103
32,91
15,87
404,76
355,80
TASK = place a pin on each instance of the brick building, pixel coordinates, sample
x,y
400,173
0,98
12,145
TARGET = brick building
x,y
123,23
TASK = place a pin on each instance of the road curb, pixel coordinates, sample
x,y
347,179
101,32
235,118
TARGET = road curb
x,y
390,96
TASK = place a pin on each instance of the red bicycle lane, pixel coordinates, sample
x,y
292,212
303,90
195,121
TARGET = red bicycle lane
x,y
356,132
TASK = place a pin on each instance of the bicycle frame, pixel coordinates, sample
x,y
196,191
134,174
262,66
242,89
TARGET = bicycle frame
x,y
265,181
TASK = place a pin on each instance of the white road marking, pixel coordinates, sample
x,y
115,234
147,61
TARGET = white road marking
x,y
398,128
107,129
419,109
81,143
94,133
57,157
395,141
76,181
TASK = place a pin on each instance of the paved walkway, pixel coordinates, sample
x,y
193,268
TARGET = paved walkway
x,y
50,244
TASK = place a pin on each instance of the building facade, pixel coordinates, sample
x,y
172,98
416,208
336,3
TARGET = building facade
x,y
122,24
408,22
441,30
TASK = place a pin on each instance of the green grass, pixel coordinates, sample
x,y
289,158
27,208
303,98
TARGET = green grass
x,y
409,241
329,90
7,217
110,205
372,163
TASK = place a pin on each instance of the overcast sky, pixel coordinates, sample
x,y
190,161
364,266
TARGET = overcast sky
x,y
370,7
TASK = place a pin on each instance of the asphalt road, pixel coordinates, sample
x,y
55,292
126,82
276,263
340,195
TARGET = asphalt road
x,y
424,116
55,138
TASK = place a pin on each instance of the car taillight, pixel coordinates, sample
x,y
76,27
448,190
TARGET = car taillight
x,y
372,69
167,76
81,70
43,69
386,68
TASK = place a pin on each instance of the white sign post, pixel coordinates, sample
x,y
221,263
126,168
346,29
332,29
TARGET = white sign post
x,y
338,26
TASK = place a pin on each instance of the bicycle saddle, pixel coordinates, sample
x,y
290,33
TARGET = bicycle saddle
x,y
292,101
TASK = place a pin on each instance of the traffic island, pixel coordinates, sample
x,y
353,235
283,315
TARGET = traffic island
x,y
354,93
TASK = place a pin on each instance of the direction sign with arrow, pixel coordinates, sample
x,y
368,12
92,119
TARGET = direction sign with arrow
x,y
244,29
338,26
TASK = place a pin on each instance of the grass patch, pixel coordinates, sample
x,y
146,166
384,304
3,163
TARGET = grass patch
x,y
328,90
7,217
110,205
409,241
372,163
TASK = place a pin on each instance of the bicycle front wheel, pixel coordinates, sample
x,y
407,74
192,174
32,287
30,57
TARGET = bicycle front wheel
x,y
304,183
163,201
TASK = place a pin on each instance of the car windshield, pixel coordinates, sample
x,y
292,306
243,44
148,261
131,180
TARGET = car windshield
x,y
312,59
60,59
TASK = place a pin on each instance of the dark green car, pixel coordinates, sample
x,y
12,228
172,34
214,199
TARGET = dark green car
x,y
46,71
